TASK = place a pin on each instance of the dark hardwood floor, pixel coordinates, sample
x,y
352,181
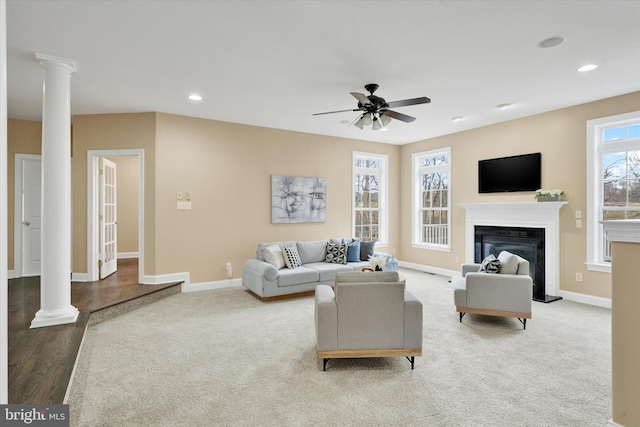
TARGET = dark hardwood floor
x,y
41,360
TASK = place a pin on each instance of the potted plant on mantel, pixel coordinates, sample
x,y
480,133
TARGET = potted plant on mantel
x,y
549,195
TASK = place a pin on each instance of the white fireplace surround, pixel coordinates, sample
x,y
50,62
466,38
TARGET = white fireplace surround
x,y
544,215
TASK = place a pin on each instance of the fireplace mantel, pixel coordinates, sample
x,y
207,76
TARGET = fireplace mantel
x,y
526,215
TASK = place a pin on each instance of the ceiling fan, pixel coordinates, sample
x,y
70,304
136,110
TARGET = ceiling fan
x,y
376,111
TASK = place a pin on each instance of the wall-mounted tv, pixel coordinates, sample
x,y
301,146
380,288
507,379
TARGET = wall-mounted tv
x,y
515,173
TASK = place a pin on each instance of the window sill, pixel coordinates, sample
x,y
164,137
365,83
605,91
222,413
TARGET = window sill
x,y
603,268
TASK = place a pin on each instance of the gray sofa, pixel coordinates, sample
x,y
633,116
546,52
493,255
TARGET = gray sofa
x,y
267,281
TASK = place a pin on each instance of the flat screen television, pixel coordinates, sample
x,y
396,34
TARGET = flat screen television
x,y
515,173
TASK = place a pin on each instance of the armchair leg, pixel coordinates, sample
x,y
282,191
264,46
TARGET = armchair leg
x,y
524,322
324,364
461,316
411,360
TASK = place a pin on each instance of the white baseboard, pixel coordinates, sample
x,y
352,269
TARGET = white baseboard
x,y
80,277
163,279
612,423
220,284
126,255
428,269
585,299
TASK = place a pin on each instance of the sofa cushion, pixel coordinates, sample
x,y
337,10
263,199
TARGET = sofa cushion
x,y
366,250
314,251
297,276
261,246
273,255
490,264
291,256
353,250
327,271
336,253
508,262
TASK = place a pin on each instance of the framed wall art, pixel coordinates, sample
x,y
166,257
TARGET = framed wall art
x,y
297,199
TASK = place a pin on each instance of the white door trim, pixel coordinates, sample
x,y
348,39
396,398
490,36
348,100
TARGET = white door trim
x,y
92,208
17,211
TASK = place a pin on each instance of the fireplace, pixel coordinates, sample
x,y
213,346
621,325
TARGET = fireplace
x,y
527,243
515,228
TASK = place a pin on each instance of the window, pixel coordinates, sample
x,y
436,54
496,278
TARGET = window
x,y
431,199
613,180
370,196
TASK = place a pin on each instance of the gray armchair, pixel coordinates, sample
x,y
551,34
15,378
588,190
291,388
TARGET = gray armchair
x,y
367,315
507,293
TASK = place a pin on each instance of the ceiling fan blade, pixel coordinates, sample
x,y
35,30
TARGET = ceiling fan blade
x,y
406,102
398,116
339,111
362,98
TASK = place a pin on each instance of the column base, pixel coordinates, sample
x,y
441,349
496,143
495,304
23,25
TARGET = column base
x,y
58,317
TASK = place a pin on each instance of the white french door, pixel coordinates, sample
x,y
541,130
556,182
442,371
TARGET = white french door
x,y
108,219
31,216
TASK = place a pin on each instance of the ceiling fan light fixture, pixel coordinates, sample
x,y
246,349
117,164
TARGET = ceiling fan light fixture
x,y
367,119
360,122
376,124
385,120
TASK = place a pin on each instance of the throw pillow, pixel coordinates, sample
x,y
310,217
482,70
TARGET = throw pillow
x,y
490,265
366,250
353,250
508,263
273,255
291,256
336,253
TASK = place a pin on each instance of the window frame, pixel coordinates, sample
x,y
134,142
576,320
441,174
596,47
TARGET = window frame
x,y
595,132
383,193
416,205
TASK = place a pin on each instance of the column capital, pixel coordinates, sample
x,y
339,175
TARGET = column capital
x,y
45,59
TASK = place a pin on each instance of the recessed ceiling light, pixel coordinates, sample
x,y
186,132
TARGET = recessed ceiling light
x,y
503,106
588,67
552,42
456,118
195,97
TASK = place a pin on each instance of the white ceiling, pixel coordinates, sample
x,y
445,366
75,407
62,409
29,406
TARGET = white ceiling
x,y
275,63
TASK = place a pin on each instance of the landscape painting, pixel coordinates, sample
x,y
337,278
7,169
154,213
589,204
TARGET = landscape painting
x,y
297,199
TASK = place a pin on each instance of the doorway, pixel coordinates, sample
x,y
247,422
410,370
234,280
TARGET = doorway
x,y
93,194
27,215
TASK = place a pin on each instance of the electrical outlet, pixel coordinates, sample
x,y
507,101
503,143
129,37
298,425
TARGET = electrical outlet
x,y
179,195
578,277
578,223
578,214
457,260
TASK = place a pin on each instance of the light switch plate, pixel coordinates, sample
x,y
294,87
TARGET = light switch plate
x,y
184,205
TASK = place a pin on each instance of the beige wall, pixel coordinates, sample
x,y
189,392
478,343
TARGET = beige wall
x,y
127,202
227,168
23,137
112,132
561,138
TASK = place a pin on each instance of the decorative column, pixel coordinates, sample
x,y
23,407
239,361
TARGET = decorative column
x,y
624,236
55,273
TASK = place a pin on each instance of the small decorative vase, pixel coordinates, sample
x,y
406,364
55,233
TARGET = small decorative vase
x,y
378,268
392,264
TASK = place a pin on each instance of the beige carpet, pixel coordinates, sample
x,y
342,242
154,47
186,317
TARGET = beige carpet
x,y
223,358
